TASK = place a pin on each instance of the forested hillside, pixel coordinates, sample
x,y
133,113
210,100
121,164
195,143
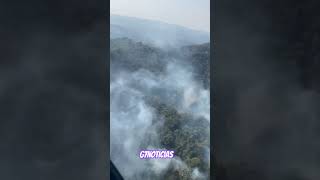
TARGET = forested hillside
x,y
170,88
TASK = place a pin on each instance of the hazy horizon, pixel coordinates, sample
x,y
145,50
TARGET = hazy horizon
x,y
160,21
188,13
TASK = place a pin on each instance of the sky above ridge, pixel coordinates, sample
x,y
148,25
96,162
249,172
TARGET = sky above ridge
x,y
194,14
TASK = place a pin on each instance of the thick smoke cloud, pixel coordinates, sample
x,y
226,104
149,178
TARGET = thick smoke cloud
x,y
52,90
135,124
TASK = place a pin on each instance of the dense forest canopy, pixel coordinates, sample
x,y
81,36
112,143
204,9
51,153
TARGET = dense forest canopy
x,y
161,97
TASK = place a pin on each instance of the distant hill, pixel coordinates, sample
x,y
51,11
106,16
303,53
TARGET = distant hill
x,y
155,32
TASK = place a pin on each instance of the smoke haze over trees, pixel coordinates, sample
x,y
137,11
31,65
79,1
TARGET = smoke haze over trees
x,y
160,100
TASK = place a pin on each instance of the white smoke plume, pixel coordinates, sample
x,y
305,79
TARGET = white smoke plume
x,y
134,123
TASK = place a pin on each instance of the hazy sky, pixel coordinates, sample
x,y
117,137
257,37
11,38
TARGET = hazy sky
x,y
194,14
